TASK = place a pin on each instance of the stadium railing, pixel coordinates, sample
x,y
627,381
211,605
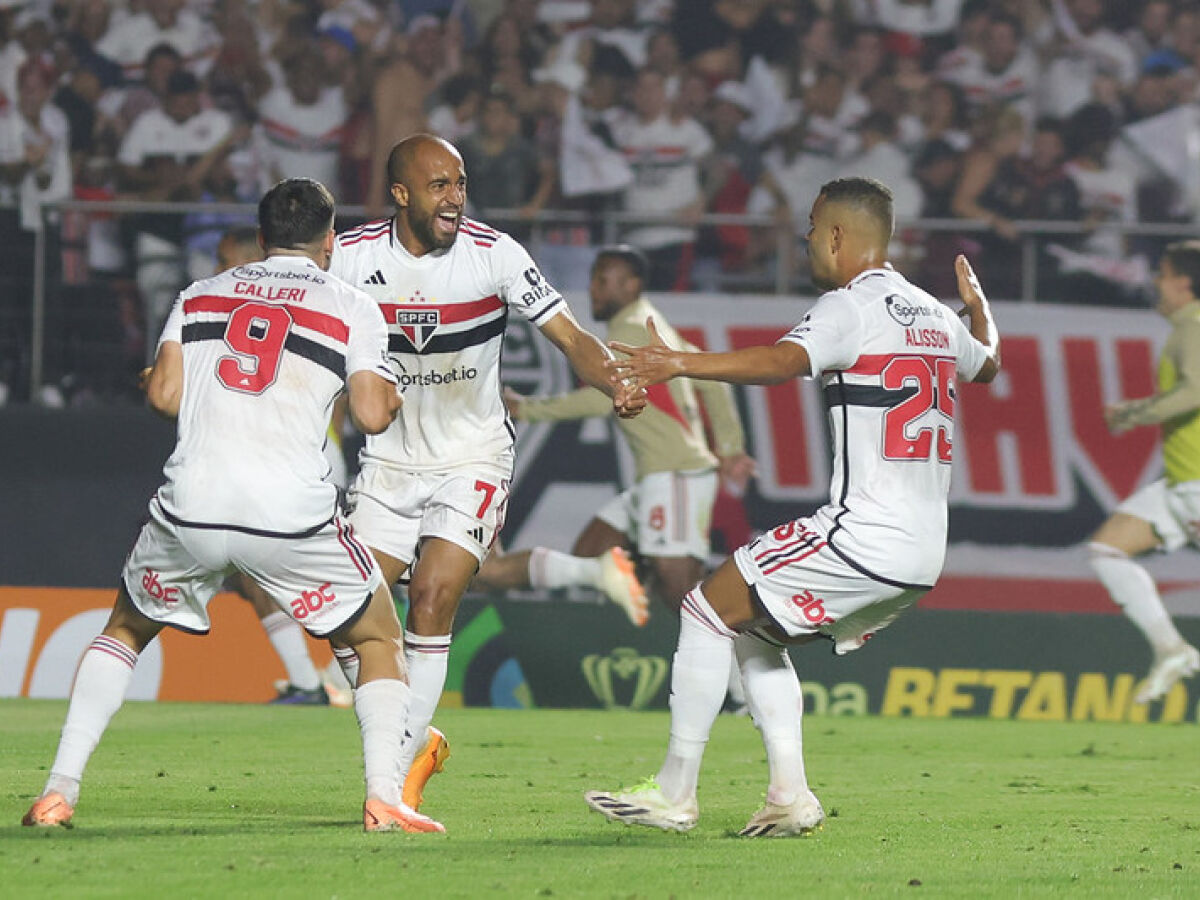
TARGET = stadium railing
x,y
780,272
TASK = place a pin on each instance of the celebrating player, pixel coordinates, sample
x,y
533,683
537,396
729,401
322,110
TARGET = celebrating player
x,y
250,362
666,514
433,488
1164,515
888,355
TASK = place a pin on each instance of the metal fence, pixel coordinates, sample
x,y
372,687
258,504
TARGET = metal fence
x,y
780,271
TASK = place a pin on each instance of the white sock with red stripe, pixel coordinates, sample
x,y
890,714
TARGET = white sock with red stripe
x,y
427,657
1132,589
99,690
287,638
347,659
551,569
382,710
777,706
699,677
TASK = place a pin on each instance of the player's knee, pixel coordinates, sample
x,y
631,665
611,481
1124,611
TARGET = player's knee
x,y
432,602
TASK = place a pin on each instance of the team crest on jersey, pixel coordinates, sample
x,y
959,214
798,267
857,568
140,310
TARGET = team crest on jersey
x,y
419,325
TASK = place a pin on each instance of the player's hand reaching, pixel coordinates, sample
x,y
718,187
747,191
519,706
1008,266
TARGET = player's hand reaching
x,y
629,399
969,288
651,364
736,471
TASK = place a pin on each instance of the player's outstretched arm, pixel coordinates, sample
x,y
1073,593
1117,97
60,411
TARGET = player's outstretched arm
x,y
587,355
164,384
656,362
979,315
374,401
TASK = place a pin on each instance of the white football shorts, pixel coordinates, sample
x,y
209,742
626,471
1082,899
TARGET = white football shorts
x,y
666,513
1173,511
392,510
808,589
322,580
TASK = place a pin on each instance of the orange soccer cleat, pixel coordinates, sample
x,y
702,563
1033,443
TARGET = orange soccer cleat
x,y
429,761
379,816
49,810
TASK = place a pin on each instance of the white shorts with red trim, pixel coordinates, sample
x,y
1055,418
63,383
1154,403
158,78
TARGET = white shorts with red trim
x,y
322,580
1172,510
808,589
393,510
666,513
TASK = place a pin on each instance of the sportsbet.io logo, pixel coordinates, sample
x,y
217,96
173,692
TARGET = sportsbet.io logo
x,y
645,674
905,312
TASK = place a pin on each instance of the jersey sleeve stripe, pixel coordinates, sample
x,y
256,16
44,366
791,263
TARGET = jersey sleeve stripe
x,y
554,307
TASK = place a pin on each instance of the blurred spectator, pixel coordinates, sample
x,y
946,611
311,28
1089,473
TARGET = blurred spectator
x,y
919,18
831,110
936,169
160,22
1101,272
610,24
817,50
879,157
455,117
122,107
303,120
1152,31
399,95
360,18
1087,48
504,169
35,167
239,76
1155,91
943,115
665,156
729,174
1005,72
985,193
662,55
506,57
166,156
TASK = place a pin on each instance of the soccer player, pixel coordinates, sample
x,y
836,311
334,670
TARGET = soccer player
x,y
888,356
249,363
666,514
1164,515
433,488
238,247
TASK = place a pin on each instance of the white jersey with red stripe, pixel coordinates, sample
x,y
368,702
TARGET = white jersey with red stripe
x,y
888,355
446,312
267,348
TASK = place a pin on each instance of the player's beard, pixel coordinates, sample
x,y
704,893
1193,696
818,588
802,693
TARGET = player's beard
x,y
425,233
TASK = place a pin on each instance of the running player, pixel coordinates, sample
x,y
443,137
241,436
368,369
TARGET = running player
x,y
1164,515
249,363
238,247
433,488
665,516
888,356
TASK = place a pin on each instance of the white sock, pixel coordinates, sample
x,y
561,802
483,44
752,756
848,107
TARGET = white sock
x,y
777,706
550,569
348,660
288,640
1132,589
382,710
426,657
100,684
699,676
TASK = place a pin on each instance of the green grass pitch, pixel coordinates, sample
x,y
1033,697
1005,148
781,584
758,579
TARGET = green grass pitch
x,y
239,801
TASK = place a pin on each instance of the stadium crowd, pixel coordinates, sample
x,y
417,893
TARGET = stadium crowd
x,y
995,111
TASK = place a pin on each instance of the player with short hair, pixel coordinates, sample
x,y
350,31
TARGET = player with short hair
x,y
888,356
665,516
1165,515
432,491
249,363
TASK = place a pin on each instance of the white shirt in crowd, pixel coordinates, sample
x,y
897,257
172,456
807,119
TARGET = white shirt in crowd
x,y
129,39
664,156
155,134
53,133
304,141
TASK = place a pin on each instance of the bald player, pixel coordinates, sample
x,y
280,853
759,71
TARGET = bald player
x,y
888,356
433,488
